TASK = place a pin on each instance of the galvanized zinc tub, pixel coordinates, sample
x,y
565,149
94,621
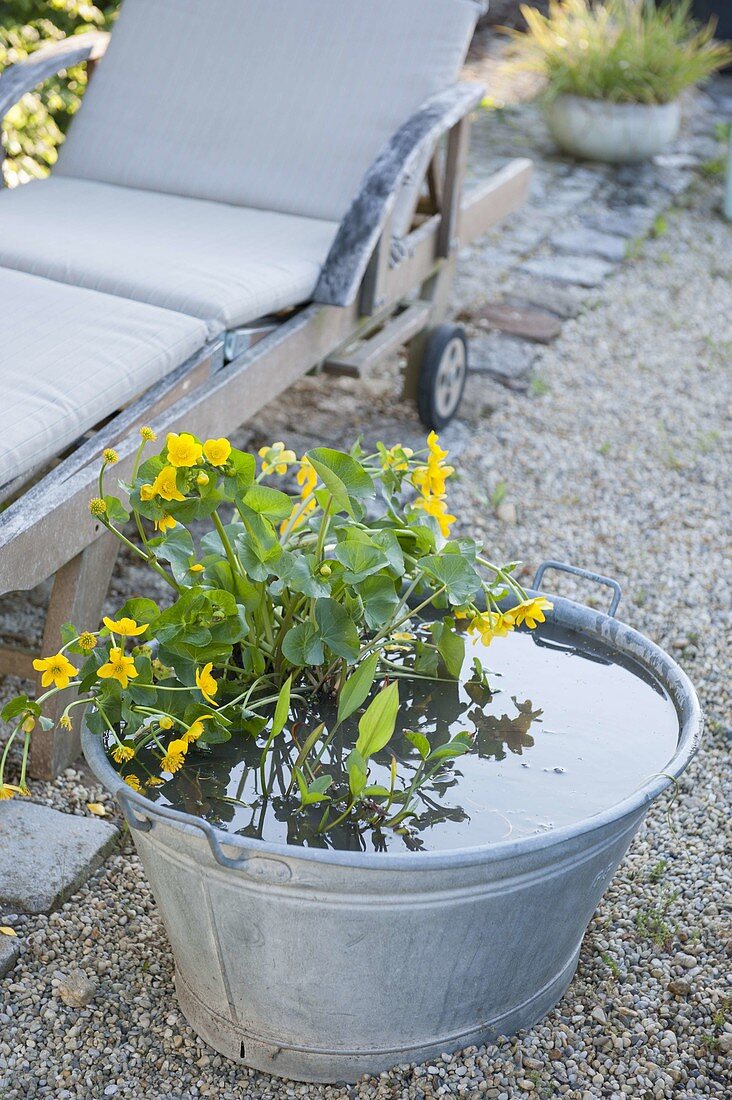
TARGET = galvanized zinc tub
x,y
322,965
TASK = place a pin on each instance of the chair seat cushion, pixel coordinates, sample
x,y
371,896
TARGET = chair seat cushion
x,y
70,357
223,264
273,104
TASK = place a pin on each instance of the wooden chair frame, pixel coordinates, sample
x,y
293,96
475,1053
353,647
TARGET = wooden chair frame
x,y
375,294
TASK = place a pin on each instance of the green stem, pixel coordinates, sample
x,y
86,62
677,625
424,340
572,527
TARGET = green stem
x,y
4,757
230,555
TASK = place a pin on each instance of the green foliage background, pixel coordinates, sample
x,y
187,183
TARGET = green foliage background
x,y
34,129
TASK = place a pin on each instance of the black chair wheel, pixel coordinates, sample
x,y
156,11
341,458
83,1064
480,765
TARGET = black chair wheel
x,y
442,376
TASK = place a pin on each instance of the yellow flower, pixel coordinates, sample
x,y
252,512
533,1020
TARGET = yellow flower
x,y
174,758
165,485
436,452
134,782
503,624
123,753
87,641
482,624
118,667
148,434
397,458
206,683
436,506
431,478
202,480
530,612
183,449
490,625
165,523
155,782
195,729
217,451
276,459
197,568
57,670
147,492
110,456
7,791
165,722
97,507
65,722
306,477
126,628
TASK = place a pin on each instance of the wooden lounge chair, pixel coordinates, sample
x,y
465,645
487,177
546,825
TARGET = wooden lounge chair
x,y
251,190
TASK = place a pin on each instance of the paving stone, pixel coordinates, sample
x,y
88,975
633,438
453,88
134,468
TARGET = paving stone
x,y
631,221
46,855
9,952
564,301
578,270
504,358
676,160
528,323
590,242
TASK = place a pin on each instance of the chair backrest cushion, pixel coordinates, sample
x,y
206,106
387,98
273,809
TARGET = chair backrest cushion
x,y
276,104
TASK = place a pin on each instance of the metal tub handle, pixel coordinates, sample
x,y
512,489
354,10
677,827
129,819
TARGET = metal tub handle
x,y
586,574
140,816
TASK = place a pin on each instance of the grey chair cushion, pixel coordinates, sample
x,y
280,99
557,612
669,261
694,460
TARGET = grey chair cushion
x,y
275,104
70,357
223,264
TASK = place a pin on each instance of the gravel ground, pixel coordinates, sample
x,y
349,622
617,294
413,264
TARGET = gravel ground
x,y
616,459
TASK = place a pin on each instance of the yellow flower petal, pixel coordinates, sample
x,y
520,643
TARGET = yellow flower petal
x,y
126,628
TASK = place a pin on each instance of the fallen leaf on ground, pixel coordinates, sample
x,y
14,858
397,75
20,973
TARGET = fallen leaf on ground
x,y
96,808
7,931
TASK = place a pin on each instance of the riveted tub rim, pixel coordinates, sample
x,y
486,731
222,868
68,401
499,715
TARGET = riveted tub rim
x,y
566,613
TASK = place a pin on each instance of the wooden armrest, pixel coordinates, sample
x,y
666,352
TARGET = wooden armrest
x,y
26,75
367,215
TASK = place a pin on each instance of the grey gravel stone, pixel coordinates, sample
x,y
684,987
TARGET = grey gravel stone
x,y
684,960
590,242
76,989
506,512
46,855
578,270
9,951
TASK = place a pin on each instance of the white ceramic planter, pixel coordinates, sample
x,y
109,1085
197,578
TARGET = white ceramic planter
x,y
617,133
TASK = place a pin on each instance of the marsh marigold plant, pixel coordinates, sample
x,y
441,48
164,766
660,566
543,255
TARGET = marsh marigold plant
x,y
334,575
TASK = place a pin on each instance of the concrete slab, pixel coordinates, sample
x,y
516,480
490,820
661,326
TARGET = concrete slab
x,y
9,952
578,270
591,242
46,855
505,358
